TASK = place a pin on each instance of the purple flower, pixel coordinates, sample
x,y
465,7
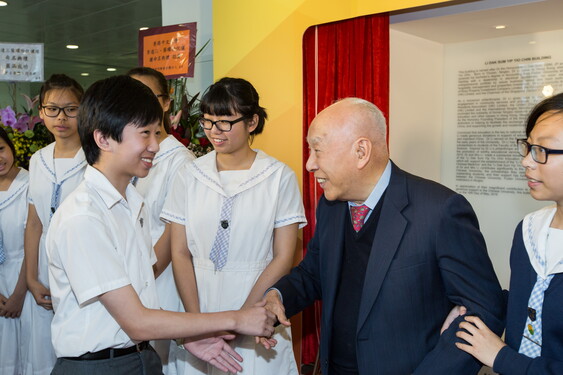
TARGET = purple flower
x,y
34,121
8,116
23,123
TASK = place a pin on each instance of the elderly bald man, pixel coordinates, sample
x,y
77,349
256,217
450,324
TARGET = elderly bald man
x,y
392,254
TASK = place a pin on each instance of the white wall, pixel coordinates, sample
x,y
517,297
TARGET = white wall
x,y
183,11
415,104
423,128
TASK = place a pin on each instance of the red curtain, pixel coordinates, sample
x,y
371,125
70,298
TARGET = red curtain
x,y
340,59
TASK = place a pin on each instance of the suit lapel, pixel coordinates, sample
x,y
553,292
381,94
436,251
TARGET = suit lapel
x,y
390,230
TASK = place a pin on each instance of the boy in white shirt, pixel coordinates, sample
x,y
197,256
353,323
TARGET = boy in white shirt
x,y
100,253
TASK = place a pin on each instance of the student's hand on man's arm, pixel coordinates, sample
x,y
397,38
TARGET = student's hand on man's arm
x,y
216,351
483,343
456,311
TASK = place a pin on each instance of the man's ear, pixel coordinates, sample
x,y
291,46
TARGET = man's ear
x,y
362,148
102,141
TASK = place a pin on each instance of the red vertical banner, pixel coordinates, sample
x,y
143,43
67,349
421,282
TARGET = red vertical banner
x,y
340,59
169,49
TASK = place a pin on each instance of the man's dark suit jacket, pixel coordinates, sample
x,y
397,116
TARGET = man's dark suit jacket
x,y
428,255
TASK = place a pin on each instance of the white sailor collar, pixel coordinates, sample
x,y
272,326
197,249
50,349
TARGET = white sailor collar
x,y
168,147
47,163
205,170
535,231
17,187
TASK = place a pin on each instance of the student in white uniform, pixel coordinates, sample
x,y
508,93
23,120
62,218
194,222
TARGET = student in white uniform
x,y
14,182
234,215
155,188
54,171
100,250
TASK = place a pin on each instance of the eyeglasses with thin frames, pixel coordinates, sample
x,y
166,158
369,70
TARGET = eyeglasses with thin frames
x,y
539,153
221,125
53,111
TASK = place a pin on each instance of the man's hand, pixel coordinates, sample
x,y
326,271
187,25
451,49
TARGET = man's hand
x,y
275,305
216,351
456,311
483,343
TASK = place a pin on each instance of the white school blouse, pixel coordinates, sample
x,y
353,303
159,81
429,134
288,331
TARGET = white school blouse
x,y
13,216
155,187
97,242
43,179
267,197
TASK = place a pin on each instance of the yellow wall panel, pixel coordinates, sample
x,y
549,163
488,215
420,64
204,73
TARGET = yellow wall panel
x,y
261,40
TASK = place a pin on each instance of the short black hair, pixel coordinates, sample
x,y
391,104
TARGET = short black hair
x,y
553,103
60,81
111,104
234,95
144,71
7,139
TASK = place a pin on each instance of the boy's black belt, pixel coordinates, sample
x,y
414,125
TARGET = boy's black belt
x,y
111,352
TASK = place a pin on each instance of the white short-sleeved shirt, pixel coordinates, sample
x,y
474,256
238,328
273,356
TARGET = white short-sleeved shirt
x,y
43,177
97,242
155,187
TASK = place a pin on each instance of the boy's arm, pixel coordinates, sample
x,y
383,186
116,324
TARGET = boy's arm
x,y
141,323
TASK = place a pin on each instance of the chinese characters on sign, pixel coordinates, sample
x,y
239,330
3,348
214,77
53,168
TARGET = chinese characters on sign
x,y
169,49
21,62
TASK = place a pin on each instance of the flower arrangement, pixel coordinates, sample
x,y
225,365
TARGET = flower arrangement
x,y
185,115
25,130
185,119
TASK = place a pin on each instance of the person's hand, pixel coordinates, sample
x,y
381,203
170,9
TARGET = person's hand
x,y
275,305
41,294
216,351
255,320
3,301
456,311
266,342
483,343
11,307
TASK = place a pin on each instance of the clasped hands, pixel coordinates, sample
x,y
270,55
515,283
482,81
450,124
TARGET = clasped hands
x,y
258,320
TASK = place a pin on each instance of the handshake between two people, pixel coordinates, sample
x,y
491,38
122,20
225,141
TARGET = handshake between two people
x,y
258,320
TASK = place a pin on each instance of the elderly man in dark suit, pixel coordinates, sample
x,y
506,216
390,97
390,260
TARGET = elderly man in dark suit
x,y
392,254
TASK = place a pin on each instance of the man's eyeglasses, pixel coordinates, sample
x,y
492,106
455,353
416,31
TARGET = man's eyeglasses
x,y
53,111
539,153
222,125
